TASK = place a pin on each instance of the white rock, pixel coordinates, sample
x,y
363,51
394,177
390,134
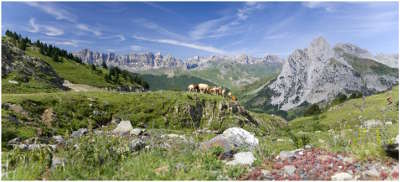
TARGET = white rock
x,y
372,173
59,139
12,82
283,155
371,123
341,177
388,123
242,158
80,132
137,131
123,128
289,169
240,137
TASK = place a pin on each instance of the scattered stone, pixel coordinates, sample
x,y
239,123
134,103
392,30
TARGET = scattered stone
x,y
371,123
57,161
289,169
22,146
79,133
12,82
242,158
123,128
137,131
388,123
231,139
34,146
98,132
341,176
14,141
162,169
115,120
59,139
136,145
307,147
349,160
372,173
283,155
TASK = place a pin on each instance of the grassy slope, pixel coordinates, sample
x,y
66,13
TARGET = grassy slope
x,y
345,121
73,71
74,110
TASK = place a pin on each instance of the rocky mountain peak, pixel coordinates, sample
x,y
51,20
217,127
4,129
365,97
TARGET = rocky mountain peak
x,y
319,49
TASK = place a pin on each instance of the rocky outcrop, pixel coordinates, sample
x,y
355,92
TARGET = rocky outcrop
x,y
319,73
27,68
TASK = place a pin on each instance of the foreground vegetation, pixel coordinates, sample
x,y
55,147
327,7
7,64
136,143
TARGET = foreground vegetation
x,y
102,156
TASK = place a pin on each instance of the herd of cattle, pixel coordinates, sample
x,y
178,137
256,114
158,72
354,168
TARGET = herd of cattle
x,y
204,88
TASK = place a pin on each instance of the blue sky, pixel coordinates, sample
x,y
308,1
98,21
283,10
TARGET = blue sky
x,y
204,28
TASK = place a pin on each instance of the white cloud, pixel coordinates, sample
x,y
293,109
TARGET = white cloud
x,y
53,31
329,7
86,28
243,13
136,48
226,25
119,36
46,29
155,5
58,13
34,27
154,26
206,28
73,43
183,44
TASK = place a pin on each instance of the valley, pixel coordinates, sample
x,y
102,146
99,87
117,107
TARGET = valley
x,y
100,116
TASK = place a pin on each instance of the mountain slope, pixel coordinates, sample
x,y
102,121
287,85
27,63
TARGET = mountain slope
x,y
30,70
22,73
319,73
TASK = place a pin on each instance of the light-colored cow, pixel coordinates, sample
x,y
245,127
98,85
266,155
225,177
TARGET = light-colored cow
x,y
203,88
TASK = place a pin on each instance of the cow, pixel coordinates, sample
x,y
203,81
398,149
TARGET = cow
x,y
223,92
234,98
193,88
203,88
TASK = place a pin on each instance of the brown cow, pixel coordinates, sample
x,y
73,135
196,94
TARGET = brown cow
x,y
389,100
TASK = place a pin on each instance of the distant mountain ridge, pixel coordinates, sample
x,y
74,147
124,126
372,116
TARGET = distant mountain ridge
x,y
148,61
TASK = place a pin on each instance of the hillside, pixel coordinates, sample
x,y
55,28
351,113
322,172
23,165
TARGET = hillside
x,y
28,70
366,123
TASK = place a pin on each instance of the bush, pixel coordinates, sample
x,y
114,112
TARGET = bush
x,y
340,98
355,95
312,110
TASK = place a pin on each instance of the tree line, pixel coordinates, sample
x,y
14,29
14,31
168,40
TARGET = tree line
x,y
115,75
46,49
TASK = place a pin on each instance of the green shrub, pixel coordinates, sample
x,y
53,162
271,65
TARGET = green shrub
x,y
312,110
